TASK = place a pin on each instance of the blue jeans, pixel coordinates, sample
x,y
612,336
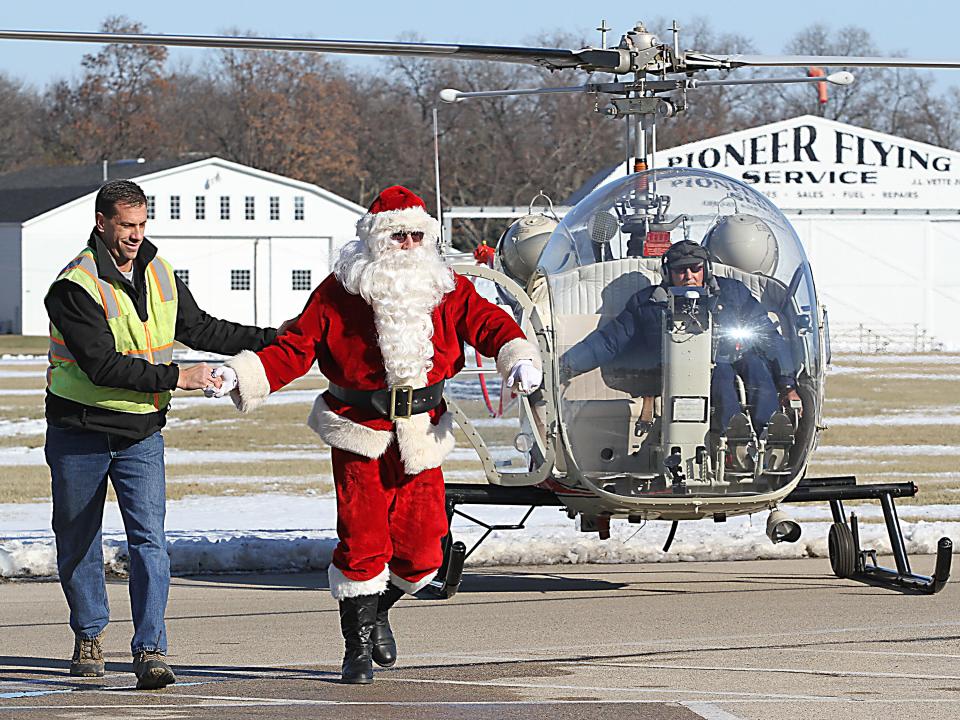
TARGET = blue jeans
x,y
80,462
757,381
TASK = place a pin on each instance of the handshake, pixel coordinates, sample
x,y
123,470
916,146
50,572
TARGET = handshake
x,y
215,382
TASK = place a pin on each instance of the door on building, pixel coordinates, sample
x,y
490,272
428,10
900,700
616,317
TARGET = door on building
x,y
297,266
221,273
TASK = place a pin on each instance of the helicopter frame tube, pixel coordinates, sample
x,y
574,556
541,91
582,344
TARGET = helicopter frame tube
x,y
529,316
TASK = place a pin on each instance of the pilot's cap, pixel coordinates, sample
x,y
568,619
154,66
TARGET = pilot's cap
x,y
686,253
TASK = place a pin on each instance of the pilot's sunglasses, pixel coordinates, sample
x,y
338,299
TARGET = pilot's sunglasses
x,y
692,268
400,236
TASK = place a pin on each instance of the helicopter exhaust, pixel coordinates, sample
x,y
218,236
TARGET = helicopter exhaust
x,y
781,527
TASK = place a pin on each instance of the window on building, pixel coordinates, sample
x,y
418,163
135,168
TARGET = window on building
x,y
183,276
151,207
248,207
200,205
239,279
224,207
298,207
301,280
174,207
274,207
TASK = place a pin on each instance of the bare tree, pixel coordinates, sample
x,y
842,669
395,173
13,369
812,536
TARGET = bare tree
x,y
113,110
292,114
20,116
304,116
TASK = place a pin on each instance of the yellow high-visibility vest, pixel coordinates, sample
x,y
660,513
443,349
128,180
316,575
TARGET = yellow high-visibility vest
x,y
151,340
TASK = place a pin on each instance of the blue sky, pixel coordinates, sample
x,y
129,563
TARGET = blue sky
x,y
918,29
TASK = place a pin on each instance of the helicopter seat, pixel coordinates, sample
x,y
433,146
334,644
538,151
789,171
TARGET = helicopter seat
x,y
601,408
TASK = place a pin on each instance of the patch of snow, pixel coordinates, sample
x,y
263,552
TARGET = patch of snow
x,y
899,359
24,426
294,533
934,417
38,373
893,450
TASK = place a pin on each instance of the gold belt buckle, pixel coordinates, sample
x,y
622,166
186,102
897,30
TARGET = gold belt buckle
x,y
408,389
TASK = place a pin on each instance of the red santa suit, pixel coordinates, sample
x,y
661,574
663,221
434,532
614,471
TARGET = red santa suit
x,y
391,510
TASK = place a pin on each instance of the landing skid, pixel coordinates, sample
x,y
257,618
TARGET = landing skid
x,y
455,553
848,559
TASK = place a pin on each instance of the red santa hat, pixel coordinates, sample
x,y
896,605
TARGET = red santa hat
x,y
393,210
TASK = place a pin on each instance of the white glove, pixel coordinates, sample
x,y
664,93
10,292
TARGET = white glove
x,y
525,376
229,378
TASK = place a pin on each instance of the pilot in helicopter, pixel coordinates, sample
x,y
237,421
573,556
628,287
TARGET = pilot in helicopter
x,y
748,345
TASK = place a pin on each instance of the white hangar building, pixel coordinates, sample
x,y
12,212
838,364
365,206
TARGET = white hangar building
x,y
879,217
249,244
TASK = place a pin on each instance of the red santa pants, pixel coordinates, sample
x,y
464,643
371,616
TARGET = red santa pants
x,y
387,518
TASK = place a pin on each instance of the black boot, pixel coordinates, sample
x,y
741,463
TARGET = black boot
x,y
358,615
384,646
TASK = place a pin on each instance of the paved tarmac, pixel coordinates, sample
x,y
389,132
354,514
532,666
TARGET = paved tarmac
x,y
720,640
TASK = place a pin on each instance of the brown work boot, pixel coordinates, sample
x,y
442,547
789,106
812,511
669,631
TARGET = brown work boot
x,y
87,660
151,670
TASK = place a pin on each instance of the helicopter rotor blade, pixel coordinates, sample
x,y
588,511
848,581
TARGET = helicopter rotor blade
x,y
552,58
702,61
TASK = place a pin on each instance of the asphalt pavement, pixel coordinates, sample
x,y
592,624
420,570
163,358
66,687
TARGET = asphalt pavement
x,y
720,640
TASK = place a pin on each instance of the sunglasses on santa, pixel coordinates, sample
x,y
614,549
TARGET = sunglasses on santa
x,y
402,235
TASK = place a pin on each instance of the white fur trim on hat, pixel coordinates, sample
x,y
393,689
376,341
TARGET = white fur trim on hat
x,y
345,434
412,588
376,225
253,388
422,444
343,587
514,351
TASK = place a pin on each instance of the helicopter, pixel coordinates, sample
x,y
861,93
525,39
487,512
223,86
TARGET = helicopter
x,y
632,438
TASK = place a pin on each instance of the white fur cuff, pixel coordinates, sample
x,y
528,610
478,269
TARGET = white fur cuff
x,y
343,587
253,388
345,434
412,588
514,351
422,444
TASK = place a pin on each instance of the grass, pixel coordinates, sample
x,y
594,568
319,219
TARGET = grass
x,y
198,426
24,344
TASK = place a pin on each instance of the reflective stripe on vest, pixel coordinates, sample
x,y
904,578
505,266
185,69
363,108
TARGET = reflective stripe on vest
x,y
151,341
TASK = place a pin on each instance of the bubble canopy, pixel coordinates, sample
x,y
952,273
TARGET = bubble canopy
x,y
601,265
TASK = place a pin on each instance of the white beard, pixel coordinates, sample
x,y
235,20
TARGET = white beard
x,y
403,287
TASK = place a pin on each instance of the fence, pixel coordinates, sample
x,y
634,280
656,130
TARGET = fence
x,y
868,340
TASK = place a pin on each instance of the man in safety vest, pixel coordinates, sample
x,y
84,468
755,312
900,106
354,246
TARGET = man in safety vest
x,y
115,311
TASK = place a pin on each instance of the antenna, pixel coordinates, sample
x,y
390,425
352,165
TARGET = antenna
x,y
604,29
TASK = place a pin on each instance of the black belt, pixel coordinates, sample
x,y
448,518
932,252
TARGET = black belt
x,y
399,401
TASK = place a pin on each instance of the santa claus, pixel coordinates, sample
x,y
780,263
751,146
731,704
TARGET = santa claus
x,y
386,328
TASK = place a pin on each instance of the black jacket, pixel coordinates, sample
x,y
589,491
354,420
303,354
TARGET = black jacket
x,y
88,337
